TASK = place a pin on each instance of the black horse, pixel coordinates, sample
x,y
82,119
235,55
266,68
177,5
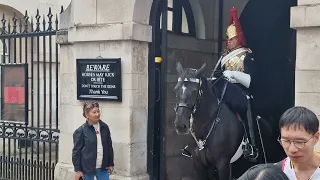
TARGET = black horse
x,y
200,111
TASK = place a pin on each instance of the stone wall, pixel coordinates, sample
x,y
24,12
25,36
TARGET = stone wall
x,y
304,18
107,33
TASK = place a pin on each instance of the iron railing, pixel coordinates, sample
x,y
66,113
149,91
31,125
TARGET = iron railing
x,y
30,137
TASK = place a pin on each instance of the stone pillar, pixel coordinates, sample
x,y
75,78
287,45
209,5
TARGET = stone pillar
x,y
107,29
305,19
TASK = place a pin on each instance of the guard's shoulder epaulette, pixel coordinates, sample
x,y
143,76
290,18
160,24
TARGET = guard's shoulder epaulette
x,y
248,50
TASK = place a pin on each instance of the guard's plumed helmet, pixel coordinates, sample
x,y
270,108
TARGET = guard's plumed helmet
x,y
234,29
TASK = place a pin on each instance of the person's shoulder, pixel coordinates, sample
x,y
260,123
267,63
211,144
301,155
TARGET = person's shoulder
x,y
281,163
103,124
248,50
249,54
317,155
80,128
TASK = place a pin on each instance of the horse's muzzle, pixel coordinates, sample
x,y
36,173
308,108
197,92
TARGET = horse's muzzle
x,y
182,129
186,152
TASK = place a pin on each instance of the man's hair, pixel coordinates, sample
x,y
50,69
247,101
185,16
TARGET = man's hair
x,y
264,172
300,117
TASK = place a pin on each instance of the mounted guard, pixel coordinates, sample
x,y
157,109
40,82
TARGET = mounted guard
x,y
238,67
217,110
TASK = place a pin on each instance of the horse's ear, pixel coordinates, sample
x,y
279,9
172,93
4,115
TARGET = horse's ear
x,y
179,68
201,70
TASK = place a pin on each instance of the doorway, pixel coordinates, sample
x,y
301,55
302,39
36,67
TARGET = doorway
x,y
172,42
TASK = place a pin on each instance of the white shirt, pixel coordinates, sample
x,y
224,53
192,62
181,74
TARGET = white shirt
x,y
99,146
288,169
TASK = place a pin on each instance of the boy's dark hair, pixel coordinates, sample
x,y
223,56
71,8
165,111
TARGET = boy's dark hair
x,y
264,172
300,117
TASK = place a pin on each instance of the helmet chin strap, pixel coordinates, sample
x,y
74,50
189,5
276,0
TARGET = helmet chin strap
x,y
237,47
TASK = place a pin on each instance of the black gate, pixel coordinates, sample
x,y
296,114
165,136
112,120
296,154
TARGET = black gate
x,y
29,127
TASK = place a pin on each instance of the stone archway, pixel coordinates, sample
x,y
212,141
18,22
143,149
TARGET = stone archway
x,y
199,19
141,11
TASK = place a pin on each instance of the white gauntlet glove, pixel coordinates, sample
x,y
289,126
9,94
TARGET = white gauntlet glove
x,y
237,76
229,75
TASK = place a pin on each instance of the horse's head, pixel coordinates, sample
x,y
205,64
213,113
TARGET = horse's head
x,y
187,92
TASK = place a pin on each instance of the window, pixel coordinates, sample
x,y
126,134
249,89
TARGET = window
x,y
180,18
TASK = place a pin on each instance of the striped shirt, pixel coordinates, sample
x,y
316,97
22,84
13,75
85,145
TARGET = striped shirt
x,y
287,167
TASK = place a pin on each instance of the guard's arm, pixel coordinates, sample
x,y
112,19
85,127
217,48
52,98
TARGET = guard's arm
x,y
246,78
242,78
250,68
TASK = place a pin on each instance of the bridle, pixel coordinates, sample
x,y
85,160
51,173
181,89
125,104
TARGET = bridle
x,y
193,107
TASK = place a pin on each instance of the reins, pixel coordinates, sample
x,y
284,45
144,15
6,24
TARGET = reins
x,y
201,143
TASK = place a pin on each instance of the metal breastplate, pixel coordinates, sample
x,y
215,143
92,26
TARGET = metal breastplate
x,y
236,63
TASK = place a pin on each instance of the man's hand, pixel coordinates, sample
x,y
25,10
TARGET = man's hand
x,y
228,74
110,169
238,77
78,175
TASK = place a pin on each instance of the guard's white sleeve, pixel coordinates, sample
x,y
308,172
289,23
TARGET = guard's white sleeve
x,y
242,78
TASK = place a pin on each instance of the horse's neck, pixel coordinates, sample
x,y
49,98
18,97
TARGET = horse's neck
x,y
207,104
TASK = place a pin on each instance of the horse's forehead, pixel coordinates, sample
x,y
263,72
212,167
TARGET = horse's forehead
x,y
189,79
192,70
187,86
183,87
